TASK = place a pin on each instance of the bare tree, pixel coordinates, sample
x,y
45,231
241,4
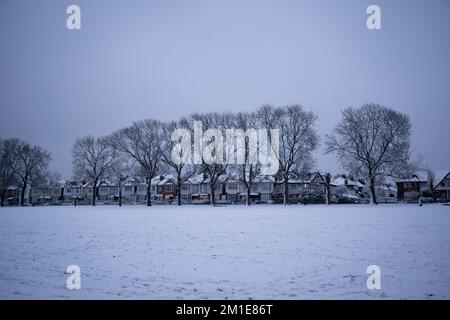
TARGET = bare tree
x,y
50,181
183,169
246,144
297,140
8,163
122,169
372,141
212,146
32,164
93,159
141,142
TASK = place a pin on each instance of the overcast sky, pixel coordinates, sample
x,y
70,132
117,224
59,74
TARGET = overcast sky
x,y
133,60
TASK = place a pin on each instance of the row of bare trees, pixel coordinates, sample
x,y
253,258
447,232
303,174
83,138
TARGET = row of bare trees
x,y
22,165
370,142
146,147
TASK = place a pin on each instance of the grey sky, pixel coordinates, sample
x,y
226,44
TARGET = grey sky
x,y
163,59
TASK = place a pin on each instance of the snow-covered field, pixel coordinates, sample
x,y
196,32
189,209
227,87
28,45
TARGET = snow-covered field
x,y
235,252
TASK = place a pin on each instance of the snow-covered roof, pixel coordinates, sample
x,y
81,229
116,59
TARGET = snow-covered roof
x,y
264,178
304,177
196,179
309,177
167,179
101,183
106,183
389,180
387,187
156,180
221,179
439,176
134,181
73,183
342,181
419,176
233,180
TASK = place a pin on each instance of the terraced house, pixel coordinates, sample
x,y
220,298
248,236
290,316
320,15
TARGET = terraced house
x,y
230,189
260,192
309,185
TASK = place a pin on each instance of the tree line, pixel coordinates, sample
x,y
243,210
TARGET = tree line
x,y
22,165
370,142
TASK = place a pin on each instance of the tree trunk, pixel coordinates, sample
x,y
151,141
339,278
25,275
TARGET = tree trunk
x,y
22,192
2,198
248,196
120,193
179,189
149,193
373,197
286,192
212,194
328,196
94,193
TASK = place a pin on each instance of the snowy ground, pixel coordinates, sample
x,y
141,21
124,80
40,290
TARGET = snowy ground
x,y
199,252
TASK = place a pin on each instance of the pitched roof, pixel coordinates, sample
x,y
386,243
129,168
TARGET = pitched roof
x,y
419,176
196,179
439,176
264,178
73,183
167,179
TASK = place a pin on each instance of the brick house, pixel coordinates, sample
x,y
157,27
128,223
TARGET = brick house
x,y
414,187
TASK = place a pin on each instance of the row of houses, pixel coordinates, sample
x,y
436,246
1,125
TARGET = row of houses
x,y
164,190
310,187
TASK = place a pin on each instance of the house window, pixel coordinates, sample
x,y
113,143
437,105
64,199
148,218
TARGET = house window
x,y
185,197
232,186
185,187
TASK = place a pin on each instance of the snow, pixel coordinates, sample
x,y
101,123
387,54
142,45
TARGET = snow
x,y
229,252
